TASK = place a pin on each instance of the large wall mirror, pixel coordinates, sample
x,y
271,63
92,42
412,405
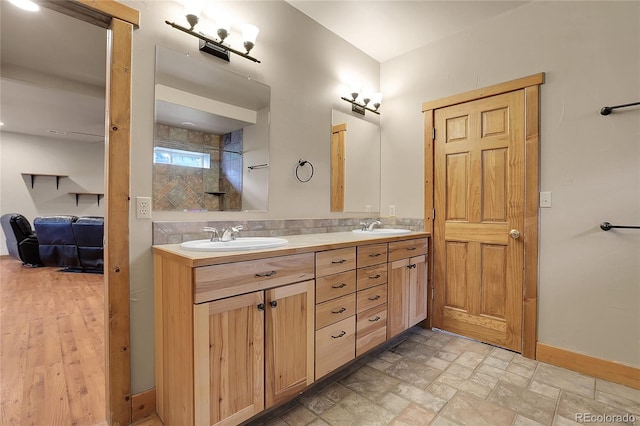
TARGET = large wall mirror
x,y
355,164
211,138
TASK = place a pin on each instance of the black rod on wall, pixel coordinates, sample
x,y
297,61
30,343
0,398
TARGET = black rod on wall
x,y
608,109
605,226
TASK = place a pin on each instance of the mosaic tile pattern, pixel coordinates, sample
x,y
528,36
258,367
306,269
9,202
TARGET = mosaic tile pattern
x,y
174,232
434,378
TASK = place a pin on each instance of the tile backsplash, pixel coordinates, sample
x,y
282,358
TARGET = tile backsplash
x,y
174,232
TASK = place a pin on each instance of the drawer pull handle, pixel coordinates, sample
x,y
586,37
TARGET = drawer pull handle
x,y
339,311
342,333
342,285
375,277
375,254
412,248
273,303
261,306
377,318
376,297
266,274
338,261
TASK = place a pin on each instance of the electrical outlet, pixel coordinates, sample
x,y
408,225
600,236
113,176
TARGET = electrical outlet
x,y
392,210
545,199
143,207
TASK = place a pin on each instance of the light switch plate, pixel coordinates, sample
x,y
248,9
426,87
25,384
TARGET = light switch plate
x,y
545,199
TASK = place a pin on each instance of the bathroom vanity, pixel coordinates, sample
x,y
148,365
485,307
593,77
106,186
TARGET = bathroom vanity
x,y
240,332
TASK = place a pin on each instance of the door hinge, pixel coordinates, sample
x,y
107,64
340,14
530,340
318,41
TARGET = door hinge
x,y
434,133
433,214
432,293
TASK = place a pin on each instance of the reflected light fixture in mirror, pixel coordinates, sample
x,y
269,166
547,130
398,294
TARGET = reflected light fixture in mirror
x,y
368,96
222,28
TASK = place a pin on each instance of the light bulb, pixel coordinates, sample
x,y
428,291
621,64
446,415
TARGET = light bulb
x,y
27,5
249,35
367,92
223,24
376,97
192,10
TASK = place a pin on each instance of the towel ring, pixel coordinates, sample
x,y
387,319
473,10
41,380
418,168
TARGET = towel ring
x,y
302,163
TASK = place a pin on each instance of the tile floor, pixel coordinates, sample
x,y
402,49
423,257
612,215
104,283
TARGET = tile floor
x,y
434,378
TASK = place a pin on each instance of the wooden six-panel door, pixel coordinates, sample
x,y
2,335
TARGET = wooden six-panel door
x,y
479,202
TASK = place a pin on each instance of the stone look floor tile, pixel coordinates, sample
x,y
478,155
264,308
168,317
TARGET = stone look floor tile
x,y
357,410
544,389
369,382
449,381
572,404
393,403
469,386
417,374
524,402
420,397
298,415
414,415
468,410
566,380
315,403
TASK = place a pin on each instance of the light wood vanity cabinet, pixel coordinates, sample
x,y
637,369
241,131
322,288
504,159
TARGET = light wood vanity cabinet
x,y
407,286
233,339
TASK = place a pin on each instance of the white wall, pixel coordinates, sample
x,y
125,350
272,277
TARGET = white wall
x,y
589,288
304,64
82,162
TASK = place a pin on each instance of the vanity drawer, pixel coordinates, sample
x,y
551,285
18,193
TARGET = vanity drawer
x,y
371,329
333,286
335,346
335,310
372,254
374,296
371,276
407,248
230,279
334,261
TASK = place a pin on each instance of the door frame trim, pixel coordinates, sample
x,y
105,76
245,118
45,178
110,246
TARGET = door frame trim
x,y
530,85
121,20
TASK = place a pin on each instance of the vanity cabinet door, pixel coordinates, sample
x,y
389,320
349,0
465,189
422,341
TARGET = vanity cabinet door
x,y
289,341
407,294
228,359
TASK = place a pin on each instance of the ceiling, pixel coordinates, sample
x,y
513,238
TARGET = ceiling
x,y
389,28
53,66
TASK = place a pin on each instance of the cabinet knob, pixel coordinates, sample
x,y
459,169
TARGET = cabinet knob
x,y
261,306
273,303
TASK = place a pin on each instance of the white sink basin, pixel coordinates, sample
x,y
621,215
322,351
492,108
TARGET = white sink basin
x,y
382,231
242,243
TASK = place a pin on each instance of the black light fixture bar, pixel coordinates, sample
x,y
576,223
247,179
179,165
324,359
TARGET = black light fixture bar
x,y
207,40
358,107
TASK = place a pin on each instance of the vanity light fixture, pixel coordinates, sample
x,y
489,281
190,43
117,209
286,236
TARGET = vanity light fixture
x,y
368,97
216,47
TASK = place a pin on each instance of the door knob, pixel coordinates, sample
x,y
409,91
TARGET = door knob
x,y
514,233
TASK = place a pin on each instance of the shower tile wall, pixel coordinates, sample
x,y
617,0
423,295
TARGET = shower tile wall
x,y
191,189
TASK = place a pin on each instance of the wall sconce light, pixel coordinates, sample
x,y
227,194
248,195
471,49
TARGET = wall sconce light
x,y
368,97
223,28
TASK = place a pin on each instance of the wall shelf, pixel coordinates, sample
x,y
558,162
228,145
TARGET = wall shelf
x,y
33,177
78,194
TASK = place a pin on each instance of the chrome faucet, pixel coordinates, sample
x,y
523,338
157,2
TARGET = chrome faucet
x,y
373,225
214,233
230,234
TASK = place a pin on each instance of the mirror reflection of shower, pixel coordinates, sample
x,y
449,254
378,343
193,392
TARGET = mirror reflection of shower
x,y
211,127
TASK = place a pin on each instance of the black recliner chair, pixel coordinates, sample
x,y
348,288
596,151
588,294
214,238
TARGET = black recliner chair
x,y
57,244
89,234
22,242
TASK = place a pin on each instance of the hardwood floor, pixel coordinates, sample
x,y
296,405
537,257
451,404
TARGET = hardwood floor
x,y
52,346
